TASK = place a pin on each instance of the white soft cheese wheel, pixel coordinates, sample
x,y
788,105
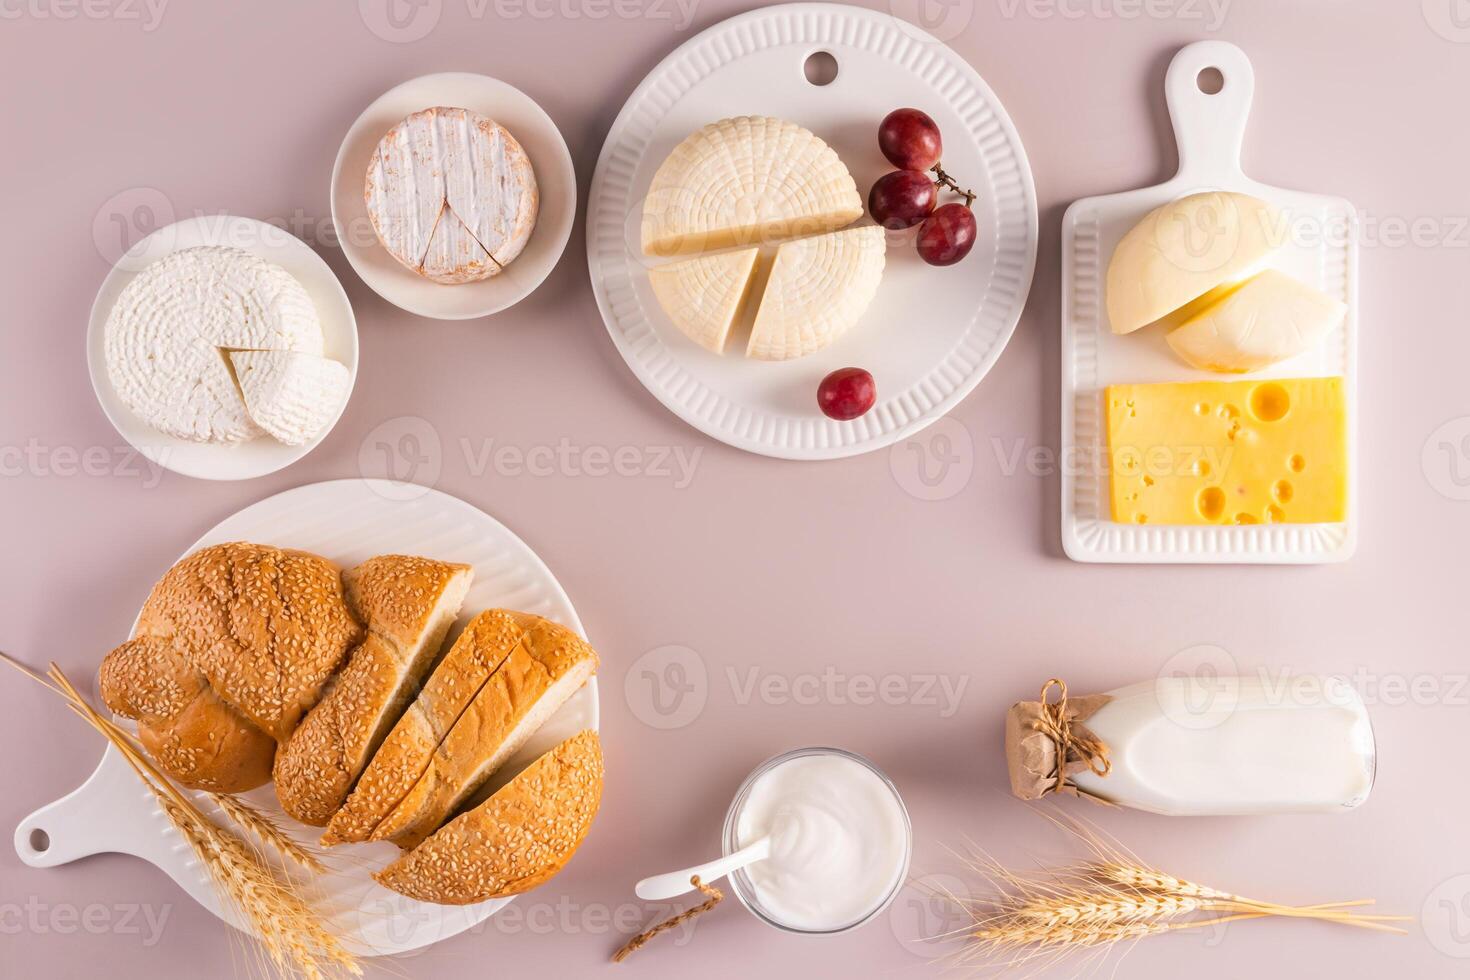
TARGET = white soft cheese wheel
x,y
167,336
819,287
451,195
291,395
1268,319
749,180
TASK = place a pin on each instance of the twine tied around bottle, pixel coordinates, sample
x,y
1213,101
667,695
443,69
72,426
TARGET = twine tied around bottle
x,y
713,897
1073,742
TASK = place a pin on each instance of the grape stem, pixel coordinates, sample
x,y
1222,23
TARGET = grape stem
x,y
945,180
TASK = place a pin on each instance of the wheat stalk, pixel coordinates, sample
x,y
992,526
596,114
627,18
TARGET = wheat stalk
x,y
264,829
292,935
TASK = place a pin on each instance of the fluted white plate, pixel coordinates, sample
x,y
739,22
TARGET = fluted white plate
x,y
1320,247
930,335
347,521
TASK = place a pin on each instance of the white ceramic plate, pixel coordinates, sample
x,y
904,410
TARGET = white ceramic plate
x,y
347,521
219,461
556,181
1321,249
930,335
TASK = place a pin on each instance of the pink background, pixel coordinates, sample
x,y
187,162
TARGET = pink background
x,y
788,570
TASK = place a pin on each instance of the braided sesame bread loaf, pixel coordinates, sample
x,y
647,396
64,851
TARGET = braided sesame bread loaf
x,y
233,646
407,605
515,840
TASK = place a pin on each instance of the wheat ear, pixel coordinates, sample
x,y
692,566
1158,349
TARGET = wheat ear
x,y
265,830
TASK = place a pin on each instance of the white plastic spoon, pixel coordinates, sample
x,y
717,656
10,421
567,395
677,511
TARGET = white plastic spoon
x,y
674,883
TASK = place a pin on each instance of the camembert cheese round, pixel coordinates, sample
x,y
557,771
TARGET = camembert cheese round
x,y
169,335
452,195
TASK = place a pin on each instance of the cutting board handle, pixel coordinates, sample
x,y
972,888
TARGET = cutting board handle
x,y
103,814
1209,128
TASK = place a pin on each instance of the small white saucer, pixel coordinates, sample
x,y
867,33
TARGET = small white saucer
x,y
555,179
218,461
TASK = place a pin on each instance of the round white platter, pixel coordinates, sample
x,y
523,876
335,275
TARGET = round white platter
x,y
347,521
219,461
930,335
556,182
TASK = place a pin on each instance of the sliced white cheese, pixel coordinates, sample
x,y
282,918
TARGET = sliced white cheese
x,y
819,287
746,181
164,335
454,157
292,396
1183,250
1267,319
703,295
454,255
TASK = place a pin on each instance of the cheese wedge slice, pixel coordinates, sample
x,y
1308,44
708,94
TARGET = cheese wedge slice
x,y
819,287
746,181
291,395
164,335
1182,251
703,295
442,163
1267,319
1228,452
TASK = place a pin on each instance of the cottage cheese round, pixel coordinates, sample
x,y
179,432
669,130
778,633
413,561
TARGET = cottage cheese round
x,y
170,333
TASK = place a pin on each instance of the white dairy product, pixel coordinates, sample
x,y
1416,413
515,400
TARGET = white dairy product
x,y
819,287
292,396
167,336
840,841
1234,745
452,195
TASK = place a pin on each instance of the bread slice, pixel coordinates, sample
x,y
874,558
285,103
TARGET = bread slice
x,y
505,675
407,605
514,841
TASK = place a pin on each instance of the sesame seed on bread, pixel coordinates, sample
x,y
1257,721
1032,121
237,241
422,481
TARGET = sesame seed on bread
x,y
234,644
503,677
408,605
514,841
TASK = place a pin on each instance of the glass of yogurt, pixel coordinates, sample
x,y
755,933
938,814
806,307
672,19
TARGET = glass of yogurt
x,y
840,841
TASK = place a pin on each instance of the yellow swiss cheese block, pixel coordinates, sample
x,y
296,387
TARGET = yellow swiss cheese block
x,y
1228,452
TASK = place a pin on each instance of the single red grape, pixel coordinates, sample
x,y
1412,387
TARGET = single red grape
x,y
947,235
846,394
909,139
902,199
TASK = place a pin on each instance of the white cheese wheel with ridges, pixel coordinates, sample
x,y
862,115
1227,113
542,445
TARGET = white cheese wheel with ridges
x,y
703,295
445,162
291,395
819,287
166,338
750,180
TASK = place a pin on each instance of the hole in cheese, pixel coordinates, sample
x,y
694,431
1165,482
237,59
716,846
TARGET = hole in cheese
x,y
1282,491
1270,402
1297,463
1211,503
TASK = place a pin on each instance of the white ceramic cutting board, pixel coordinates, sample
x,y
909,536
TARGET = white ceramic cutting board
x,y
347,521
930,335
1321,249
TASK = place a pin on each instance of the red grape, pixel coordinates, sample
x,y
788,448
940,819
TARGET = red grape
x,y
909,139
902,199
947,235
846,394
